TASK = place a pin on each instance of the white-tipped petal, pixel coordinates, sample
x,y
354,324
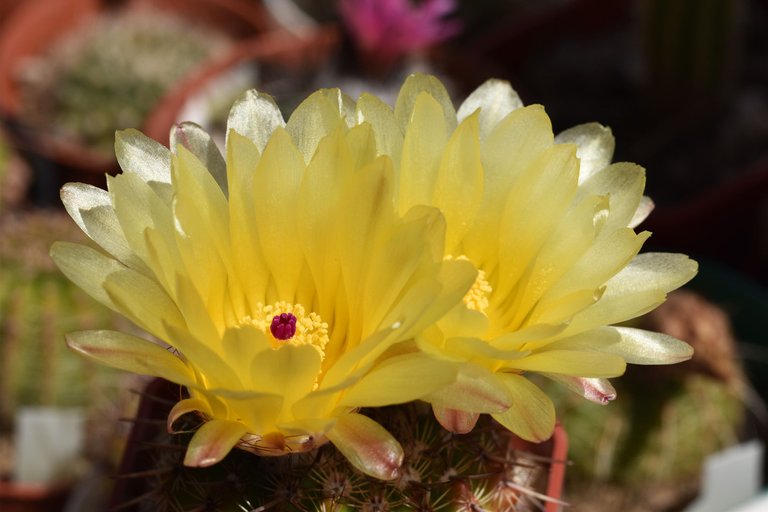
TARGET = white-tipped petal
x,y
595,145
495,99
136,153
200,144
644,209
255,116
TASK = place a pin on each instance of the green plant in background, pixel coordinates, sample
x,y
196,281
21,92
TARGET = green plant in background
x,y
648,448
112,72
37,306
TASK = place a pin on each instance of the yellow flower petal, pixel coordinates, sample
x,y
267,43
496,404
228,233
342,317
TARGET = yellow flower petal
x,y
254,116
321,113
381,118
531,415
399,380
420,85
476,390
366,445
423,145
131,354
212,442
91,208
595,145
138,154
494,99
197,141
570,362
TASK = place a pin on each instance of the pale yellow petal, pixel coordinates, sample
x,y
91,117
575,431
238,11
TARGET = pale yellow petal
x,y
139,207
389,136
399,380
570,362
547,188
423,145
510,148
138,154
87,268
494,99
247,259
200,144
638,346
276,185
583,284
531,415
259,412
571,238
595,145
322,113
255,115
415,86
289,370
239,347
623,183
458,185
143,301
132,354
641,286
644,209
91,209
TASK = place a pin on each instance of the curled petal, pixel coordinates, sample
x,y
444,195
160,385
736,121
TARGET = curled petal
x,y
644,209
599,391
367,446
184,407
212,442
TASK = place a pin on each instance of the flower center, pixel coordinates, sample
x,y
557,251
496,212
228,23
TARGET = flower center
x,y
289,323
283,326
478,295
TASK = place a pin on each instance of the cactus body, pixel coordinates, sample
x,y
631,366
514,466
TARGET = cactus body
x,y
484,470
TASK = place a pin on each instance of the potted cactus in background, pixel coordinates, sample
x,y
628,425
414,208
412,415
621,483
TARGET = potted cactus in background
x,y
71,73
45,390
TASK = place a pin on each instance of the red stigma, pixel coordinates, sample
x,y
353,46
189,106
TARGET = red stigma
x,y
283,326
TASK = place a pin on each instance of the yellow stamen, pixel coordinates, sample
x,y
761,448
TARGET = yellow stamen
x,y
477,297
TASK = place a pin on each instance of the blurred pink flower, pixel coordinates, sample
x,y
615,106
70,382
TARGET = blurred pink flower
x,y
386,30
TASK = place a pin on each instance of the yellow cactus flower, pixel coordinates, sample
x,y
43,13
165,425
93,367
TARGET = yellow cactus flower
x,y
284,286
549,223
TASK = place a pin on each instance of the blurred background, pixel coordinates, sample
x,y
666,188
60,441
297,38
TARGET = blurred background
x,y
683,84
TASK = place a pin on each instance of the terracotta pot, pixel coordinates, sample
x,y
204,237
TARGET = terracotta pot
x,y
278,48
32,498
34,25
150,423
